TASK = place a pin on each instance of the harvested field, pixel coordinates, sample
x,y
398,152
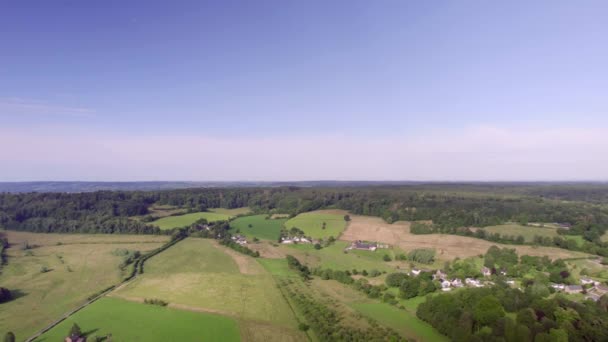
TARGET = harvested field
x,y
448,246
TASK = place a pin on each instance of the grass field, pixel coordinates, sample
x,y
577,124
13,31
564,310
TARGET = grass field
x,y
198,274
179,221
527,232
80,265
335,258
231,212
261,228
312,223
128,321
402,321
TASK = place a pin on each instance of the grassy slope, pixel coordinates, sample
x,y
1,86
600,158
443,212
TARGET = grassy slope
x,y
43,297
231,212
335,258
261,227
400,320
528,232
198,274
128,321
170,222
312,223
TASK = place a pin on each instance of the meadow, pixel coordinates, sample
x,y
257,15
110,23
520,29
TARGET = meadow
x,y
335,257
257,226
312,223
402,321
178,221
128,321
199,274
78,266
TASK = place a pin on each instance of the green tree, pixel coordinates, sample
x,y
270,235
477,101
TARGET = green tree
x,y
75,330
9,337
558,335
488,310
386,257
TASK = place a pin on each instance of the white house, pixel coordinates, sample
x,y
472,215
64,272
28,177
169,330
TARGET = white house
x,y
445,284
559,287
457,283
587,281
415,272
486,271
439,275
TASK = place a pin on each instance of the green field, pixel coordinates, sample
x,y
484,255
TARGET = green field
x,y
261,228
79,265
402,321
526,231
201,275
231,212
179,221
312,224
334,257
128,321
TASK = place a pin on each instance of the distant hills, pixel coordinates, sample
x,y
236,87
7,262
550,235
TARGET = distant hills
x,y
75,186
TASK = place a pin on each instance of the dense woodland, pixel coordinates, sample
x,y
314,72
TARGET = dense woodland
x,y
450,207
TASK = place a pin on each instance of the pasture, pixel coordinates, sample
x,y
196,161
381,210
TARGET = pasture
x,y
335,257
258,226
528,232
199,274
128,321
78,266
312,223
448,247
179,221
231,212
402,321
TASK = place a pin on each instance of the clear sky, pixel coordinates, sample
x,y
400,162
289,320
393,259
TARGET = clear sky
x,y
303,90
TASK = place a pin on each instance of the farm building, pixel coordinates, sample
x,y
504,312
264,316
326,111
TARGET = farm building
x,y
574,289
598,290
415,272
587,281
241,240
365,246
439,275
486,271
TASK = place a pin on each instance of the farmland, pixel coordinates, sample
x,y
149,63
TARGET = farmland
x,y
312,223
170,222
78,266
447,246
128,321
200,275
257,226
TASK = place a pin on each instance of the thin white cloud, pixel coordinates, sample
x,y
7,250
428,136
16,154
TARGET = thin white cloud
x,y
14,106
475,153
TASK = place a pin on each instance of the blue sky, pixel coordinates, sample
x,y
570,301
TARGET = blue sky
x,y
293,90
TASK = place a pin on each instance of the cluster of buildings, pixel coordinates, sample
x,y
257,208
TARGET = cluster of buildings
x,y
296,239
240,239
448,284
592,288
366,246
